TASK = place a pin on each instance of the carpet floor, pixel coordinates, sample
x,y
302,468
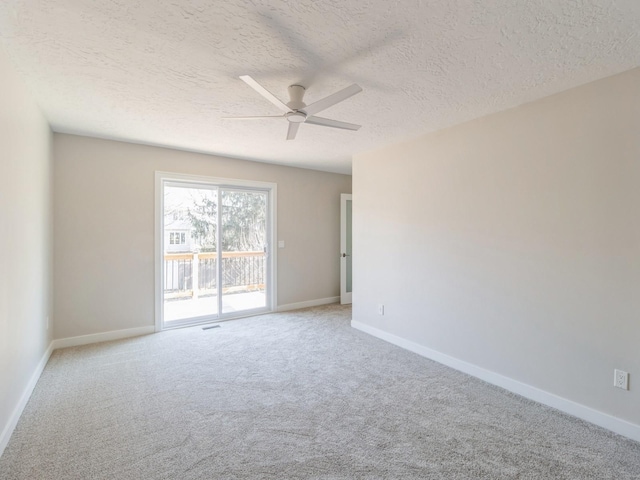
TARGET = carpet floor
x,y
290,395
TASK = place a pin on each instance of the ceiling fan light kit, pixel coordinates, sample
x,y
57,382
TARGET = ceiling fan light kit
x,y
296,117
297,112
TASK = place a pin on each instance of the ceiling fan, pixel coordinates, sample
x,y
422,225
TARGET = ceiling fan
x,y
297,112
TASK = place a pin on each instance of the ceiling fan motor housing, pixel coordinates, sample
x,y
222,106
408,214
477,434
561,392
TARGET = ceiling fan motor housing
x,y
296,93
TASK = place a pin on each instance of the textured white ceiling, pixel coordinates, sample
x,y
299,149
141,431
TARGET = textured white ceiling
x,y
165,72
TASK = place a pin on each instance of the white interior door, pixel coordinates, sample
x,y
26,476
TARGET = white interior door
x,y
346,265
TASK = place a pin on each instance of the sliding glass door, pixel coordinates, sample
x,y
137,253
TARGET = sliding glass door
x,y
189,252
244,246
215,243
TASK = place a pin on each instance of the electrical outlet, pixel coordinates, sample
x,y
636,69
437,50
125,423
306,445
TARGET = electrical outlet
x,y
621,379
380,309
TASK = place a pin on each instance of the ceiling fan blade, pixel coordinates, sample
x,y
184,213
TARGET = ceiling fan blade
x,y
255,117
326,122
264,92
332,99
293,130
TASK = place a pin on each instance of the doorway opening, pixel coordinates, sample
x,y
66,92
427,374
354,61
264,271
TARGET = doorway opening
x,y
346,260
214,258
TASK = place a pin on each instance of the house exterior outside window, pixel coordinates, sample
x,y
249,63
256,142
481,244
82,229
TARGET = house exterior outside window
x,y
177,238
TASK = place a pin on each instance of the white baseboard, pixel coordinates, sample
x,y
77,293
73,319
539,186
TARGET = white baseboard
x,y
604,420
308,303
17,411
102,337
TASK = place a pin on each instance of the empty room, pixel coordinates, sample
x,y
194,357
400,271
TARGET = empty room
x,y
330,239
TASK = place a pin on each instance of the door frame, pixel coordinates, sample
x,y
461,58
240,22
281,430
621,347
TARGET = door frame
x,y
271,261
345,297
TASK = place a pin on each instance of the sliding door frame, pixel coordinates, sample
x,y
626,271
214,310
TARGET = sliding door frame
x,y
162,178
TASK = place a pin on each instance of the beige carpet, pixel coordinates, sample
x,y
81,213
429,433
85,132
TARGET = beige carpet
x,y
291,395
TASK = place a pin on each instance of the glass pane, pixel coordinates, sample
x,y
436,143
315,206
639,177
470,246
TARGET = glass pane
x,y
349,257
244,239
190,217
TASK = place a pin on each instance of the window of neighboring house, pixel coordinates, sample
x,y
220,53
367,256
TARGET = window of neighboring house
x,y
179,214
177,238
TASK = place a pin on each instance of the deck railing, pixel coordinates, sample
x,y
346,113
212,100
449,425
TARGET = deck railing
x,y
241,272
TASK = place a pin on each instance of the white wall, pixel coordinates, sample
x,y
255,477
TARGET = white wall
x,y
25,272
513,243
104,228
